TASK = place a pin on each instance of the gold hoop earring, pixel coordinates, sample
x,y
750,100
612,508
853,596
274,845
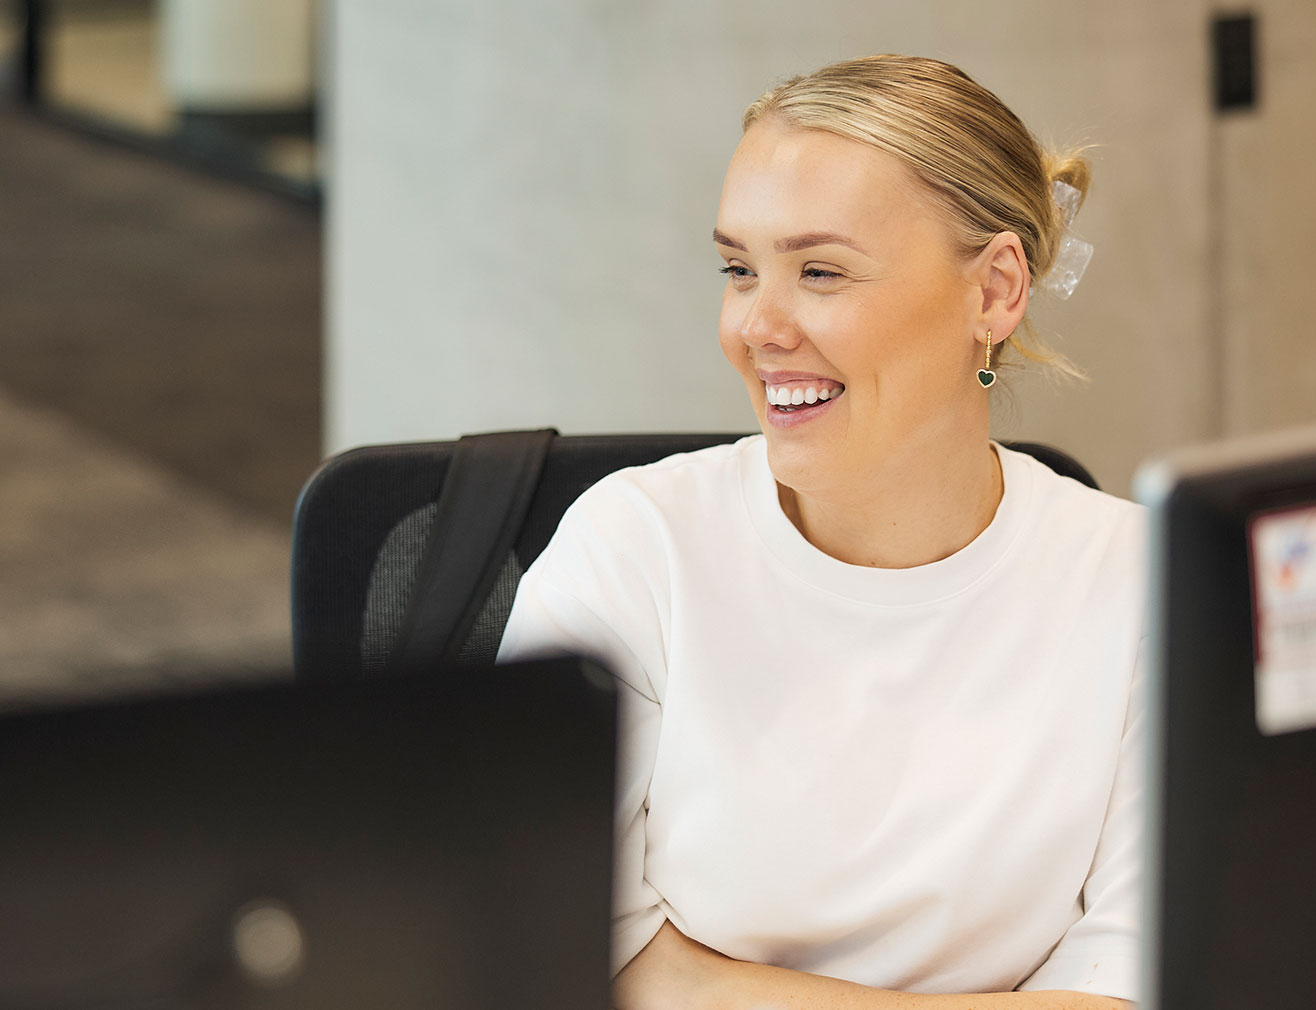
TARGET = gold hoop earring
x,y
985,374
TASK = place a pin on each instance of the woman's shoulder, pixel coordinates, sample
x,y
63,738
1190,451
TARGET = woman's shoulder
x,y
1055,490
675,482
650,511
1068,515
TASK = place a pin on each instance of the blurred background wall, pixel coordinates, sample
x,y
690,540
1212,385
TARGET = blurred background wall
x,y
522,193
515,200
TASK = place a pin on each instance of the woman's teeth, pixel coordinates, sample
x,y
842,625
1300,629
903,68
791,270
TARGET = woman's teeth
x,y
781,396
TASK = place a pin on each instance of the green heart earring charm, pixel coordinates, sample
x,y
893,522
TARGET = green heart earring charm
x,y
985,374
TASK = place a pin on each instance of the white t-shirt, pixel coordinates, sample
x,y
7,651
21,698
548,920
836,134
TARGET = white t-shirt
x,y
923,779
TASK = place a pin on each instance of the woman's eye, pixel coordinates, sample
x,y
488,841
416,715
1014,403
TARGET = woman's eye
x,y
818,273
735,272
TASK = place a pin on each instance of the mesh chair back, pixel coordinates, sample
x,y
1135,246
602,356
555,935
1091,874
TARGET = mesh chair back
x,y
365,517
363,521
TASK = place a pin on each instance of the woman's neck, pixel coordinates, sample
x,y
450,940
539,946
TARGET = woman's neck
x,y
909,513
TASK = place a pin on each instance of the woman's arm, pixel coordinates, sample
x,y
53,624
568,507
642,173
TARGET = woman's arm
x,y
675,973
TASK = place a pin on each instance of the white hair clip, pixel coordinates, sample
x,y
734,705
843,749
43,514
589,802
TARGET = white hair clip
x,y
1074,254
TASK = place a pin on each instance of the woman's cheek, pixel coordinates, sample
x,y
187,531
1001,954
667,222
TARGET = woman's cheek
x,y
728,333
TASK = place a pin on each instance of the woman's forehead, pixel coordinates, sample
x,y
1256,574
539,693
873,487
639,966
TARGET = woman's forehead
x,y
784,178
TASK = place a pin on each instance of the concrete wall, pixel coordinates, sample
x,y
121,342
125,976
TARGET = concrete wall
x,y
521,203
1264,207
520,197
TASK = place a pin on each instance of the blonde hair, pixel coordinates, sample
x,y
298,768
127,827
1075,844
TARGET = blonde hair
x,y
974,156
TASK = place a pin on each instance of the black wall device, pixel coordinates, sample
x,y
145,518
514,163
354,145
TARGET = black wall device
x,y
1234,61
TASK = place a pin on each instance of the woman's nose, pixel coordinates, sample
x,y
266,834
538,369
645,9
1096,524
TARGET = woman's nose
x,y
769,322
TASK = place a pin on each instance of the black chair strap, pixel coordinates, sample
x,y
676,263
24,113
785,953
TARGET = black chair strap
x,y
481,508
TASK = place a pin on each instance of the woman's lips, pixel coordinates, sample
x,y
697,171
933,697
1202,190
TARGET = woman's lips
x,y
793,398
791,404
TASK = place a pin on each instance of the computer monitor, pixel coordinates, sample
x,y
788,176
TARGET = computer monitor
x,y
1231,872
441,841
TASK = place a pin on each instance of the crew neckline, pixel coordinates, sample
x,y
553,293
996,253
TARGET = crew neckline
x,y
890,587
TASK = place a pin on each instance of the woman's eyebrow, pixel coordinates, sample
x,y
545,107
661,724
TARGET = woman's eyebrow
x,y
810,239
727,240
795,242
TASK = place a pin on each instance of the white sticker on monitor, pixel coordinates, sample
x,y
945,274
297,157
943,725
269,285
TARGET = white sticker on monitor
x,y
1282,547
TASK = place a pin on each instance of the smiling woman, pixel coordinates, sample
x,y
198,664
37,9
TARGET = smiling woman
x,y
843,273
878,673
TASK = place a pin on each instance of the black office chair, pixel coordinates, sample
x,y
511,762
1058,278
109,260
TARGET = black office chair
x,y
362,533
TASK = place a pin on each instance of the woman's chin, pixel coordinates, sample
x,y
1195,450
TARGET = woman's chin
x,y
796,466
802,443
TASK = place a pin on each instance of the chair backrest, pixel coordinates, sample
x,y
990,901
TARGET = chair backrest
x,y
364,518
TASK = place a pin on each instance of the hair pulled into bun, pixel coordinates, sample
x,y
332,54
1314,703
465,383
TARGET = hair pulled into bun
x,y
978,161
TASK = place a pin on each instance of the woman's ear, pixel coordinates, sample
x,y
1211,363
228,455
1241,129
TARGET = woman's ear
x,y
1000,271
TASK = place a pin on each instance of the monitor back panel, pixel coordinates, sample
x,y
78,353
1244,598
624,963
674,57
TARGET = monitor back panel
x,y
443,842
1232,874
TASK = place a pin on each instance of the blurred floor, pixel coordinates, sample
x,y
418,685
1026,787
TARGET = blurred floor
x,y
176,312
121,576
159,409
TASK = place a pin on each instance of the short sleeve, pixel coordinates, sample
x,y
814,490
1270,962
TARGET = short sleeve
x,y
1099,953
599,589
